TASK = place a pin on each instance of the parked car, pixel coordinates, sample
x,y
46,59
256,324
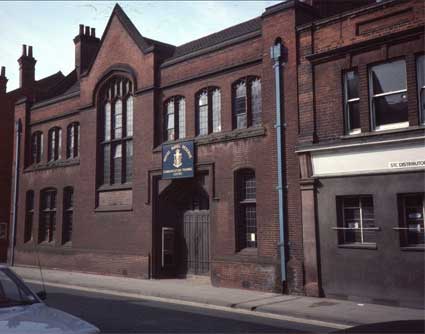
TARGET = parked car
x,y
23,311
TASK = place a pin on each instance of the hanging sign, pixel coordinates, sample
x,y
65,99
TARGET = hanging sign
x,y
177,160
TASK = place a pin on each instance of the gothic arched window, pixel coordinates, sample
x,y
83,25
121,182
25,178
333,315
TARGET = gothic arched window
x,y
208,112
247,102
175,118
116,142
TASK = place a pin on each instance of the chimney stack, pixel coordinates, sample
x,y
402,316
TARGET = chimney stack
x,y
3,80
26,68
86,45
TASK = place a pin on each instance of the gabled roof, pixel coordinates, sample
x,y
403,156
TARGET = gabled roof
x,y
233,32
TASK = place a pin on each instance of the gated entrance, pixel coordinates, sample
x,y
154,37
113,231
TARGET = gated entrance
x,y
183,230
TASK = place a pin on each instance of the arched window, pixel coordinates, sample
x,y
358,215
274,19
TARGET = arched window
x,y
55,144
208,113
68,214
36,147
247,102
47,223
29,216
246,209
73,140
116,142
175,118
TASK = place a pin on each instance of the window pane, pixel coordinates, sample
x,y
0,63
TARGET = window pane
x,y
256,102
118,119
251,225
414,219
203,120
216,110
59,148
130,116
354,115
249,186
129,160
389,77
106,164
182,118
169,120
420,66
117,156
107,120
352,85
70,142
240,120
390,109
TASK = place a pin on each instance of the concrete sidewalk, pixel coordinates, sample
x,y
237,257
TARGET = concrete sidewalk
x,y
339,313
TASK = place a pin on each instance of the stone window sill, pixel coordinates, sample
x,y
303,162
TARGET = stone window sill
x,y
53,165
117,208
112,187
219,137
358,246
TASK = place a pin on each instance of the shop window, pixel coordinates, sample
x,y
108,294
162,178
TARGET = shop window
x,y
116,142
246,209
411,229
388,95
356,222
36,147
175,118
73,140
47,224
351,102
420,68
208,113
55,144
247,103
29,216
68,214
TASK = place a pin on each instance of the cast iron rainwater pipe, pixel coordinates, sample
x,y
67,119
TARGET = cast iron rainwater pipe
x,y
276,55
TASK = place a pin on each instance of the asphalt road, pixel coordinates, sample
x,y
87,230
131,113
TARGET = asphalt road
x,y
114,314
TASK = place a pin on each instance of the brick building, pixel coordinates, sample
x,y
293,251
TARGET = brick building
x,y
361,151
94,195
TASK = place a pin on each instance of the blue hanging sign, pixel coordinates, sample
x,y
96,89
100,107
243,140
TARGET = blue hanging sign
x,y
177,160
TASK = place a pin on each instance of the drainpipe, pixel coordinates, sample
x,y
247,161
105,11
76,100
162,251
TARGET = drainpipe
x,y
18,129
276,54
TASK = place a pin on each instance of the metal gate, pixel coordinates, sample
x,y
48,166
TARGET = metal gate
x,y
196,233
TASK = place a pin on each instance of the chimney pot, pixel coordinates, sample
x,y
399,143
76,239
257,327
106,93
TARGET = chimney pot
x,y
81,29
30,51
87,33
93,32
3,71
24,50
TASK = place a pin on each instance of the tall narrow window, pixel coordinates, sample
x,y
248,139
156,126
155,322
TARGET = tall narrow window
x,y
208,113
175,118
55,144
116,101
29,217
36,147
388,90
246,209
68,214
351,102
247,103
412,211
420,69
356,222
73,140
47,224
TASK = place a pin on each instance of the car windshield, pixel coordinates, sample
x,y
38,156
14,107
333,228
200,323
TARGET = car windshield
x,y
13,292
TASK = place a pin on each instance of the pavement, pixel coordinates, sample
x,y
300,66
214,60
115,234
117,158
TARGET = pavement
x,y
338,314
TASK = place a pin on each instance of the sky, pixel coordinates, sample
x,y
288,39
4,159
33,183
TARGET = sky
x,y
50,26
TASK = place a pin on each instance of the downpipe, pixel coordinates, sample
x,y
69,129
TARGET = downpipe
x,y
276,55
18,130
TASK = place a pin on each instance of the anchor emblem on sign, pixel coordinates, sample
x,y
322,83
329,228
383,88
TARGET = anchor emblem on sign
x,y
177,159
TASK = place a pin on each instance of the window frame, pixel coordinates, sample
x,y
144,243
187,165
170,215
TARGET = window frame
x,y
51,212
54,147
37,147
29,216
372,97
248,102
212,118
402,227
73,151
242,203
179,122
342,224
68,210
116,88
350,101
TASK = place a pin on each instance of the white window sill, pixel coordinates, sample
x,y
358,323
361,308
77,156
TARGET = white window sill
x,y
355,132
392,126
